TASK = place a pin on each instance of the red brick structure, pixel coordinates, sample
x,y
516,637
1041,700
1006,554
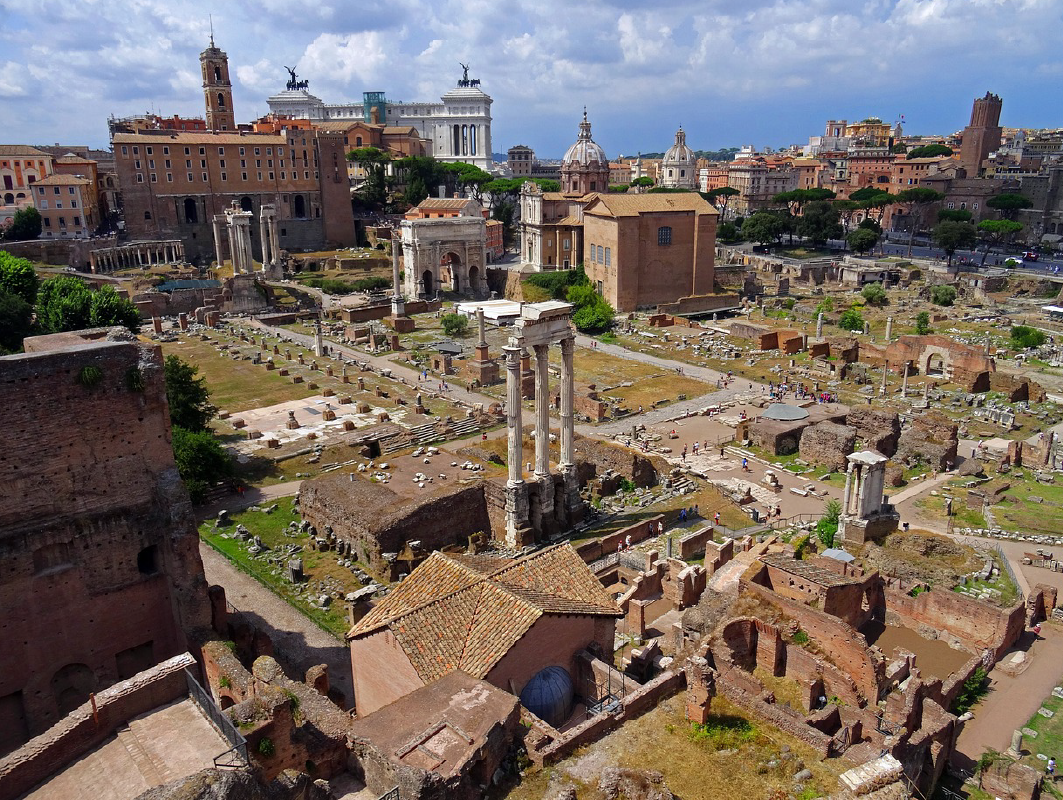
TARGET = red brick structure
x,y
100,574
648,249
499,619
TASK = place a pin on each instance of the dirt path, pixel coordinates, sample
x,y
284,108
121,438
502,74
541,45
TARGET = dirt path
x,y
298,643
1012,701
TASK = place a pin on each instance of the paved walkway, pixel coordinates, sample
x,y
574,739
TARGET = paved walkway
x,y
1012,701
171,742
298,642
252,496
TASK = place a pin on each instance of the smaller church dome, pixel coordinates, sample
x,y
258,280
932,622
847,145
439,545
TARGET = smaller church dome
x,y
585,151
679,153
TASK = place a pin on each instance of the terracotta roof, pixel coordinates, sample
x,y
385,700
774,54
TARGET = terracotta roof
x,y
444,203
21,150
631,205
63,180
466,612
70,158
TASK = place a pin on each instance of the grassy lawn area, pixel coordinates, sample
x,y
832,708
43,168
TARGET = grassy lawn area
x,y
934,508
733,755
1028,515
269,568
1049,740
1009,592
236,385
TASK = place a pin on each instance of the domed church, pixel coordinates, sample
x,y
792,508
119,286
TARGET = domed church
x,y
585,167
679,166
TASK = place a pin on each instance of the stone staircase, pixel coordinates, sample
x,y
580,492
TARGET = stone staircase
x,y
150,767
426,434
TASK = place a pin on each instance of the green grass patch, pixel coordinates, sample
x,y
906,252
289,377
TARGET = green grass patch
x,y
272,529
1049,740
723,732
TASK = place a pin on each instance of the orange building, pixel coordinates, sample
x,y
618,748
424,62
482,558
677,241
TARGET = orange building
x,y
68,206
20,167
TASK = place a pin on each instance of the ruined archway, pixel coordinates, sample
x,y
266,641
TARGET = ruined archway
x,y
448,248
474,280
935,365
450,269
426,283
71,687
245,204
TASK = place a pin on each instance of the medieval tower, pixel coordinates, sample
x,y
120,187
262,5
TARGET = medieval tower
x,y
217,90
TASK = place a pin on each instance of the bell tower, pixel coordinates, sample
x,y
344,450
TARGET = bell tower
x,y
217,90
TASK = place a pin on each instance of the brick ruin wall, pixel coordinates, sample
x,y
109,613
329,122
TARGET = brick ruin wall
x,y
100,573
931,438
828,444
941,614
376,520
878,430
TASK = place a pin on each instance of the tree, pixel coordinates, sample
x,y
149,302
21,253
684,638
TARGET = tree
x,y
110,308
995,232
1024,337
942,295
16,321
728,233
201,461
618,188
915,200
374,161
951,236
871,198
930,151
796,200
26,224
764,227
874,294
826,305
18,277
548,184
819,222
188,396
64,303
721,198
862,239
455,324
592,313
922,323
643,182
827,527
1009,205
954,215
851,320
846,209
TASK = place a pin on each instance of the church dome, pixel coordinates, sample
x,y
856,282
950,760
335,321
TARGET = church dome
x,y
585,151
679,153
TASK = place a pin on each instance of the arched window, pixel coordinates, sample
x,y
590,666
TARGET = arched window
x,y
221,100
358,141
191,211
300,207
147,215
245,203
664,235
217,73
601,254
9,198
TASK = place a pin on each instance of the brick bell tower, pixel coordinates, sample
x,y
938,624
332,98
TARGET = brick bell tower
x,y
217,90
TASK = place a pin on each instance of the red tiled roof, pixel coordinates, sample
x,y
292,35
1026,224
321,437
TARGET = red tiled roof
x,y
466,612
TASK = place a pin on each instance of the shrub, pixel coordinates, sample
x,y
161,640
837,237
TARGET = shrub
x,y
851,320
974,689
265,747
800,637
942,295
922,323
723,732
90,376
455,324
1023,337
874,294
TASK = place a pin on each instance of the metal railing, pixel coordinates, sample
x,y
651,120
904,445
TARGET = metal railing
x,y
390,794
1011,572
236,756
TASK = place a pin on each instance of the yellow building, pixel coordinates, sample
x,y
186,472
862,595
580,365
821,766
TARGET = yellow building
x,y
68,206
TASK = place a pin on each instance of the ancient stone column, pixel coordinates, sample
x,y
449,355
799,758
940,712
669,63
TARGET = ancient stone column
x,y
819,326
867,328
889,328
482,326
904,381
846,493
885,371
263,235
514,427
542,411
218,221
274,242
398,304
567,392
319,345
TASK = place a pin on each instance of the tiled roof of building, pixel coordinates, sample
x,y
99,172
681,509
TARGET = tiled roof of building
x,y
631,205
443,203
70,158
21,150
466,612
809,572
63,180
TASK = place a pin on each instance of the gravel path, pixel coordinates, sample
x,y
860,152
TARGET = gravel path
x,y
298,643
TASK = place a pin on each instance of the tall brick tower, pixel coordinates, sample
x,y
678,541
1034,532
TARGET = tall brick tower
x,y
982,136
217,90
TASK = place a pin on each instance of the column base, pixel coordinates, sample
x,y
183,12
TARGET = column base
x,y
519,532
575,509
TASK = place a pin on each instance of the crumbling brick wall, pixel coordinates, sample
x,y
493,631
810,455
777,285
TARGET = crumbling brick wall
x,y
878,430
827,443
100,573
973,623
931,439
376,520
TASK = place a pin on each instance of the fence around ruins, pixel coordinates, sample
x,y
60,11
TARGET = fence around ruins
x,y
236,756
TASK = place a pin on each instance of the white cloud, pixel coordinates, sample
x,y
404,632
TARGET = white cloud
x,y
13,79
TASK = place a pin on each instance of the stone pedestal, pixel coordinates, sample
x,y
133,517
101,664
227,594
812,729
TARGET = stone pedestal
x,y
400,323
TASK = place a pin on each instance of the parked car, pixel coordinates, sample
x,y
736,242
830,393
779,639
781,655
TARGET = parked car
x,y
1029,255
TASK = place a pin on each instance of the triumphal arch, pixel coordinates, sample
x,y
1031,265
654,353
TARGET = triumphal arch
x,y
444,253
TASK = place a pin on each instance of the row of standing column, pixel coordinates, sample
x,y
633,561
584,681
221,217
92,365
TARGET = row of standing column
x,y
542,410
136,256
267,230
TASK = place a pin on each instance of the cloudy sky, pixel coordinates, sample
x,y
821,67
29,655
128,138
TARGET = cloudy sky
x,y
732,72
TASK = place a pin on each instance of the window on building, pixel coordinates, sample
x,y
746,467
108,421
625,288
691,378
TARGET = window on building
x,y
608,256
47,222
243,163
154,178
191,177
243,176
223,176
136,151
566,244
601,254
221,151
62,222
147,215
204,177
271,176
664,235
140,178
169,177
974,206
77,220
188,151
125,151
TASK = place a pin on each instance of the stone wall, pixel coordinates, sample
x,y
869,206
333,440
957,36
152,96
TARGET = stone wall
x,y
932,438
827,443
597,548
100,573
878,430
80,731
972,623
376,520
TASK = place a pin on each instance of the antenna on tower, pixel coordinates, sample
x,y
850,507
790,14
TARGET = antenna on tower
x,y
211,18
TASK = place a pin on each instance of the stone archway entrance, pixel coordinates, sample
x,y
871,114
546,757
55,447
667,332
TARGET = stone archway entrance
x,y
448,249
426,283
449,270
474,280
935,365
